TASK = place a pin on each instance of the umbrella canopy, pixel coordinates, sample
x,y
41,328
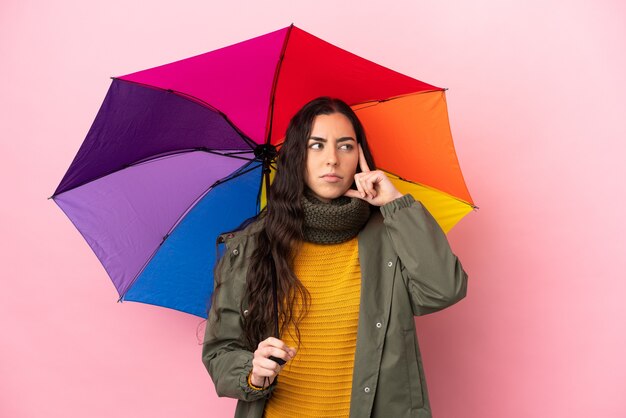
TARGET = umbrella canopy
x,y
177,154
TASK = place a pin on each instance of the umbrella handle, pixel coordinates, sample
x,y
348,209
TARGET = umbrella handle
x,y
275,297
280,361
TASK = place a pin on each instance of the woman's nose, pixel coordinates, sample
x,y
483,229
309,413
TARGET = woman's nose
x,y
331,156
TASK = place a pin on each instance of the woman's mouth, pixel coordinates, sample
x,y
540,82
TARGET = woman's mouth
x,y
331,178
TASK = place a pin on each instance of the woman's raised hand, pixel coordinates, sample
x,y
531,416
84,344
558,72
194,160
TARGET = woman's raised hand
x,y
263,367
373,186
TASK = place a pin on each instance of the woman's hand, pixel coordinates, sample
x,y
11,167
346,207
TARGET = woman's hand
x,y
263,367
373,186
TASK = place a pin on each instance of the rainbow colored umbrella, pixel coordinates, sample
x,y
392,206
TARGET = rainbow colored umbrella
x,y
177,154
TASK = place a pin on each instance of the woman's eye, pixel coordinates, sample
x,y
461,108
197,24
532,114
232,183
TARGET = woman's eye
x,y
346,147
316,145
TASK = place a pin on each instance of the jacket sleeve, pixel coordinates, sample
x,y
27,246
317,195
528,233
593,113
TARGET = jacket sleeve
x,y
223,354
433,275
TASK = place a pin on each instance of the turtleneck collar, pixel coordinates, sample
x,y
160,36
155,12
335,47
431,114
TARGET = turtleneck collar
x,y
332,223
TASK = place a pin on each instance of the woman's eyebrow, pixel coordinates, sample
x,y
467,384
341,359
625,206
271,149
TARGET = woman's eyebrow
x,y
343,138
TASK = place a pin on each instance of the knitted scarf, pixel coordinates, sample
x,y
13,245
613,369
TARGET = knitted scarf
x,y
334,222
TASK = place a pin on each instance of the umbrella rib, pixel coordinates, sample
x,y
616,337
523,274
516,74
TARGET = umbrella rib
x,y
240,172
431,188
234,175
275,84
249,141
374,102
238,152
205,149
153,158
228,154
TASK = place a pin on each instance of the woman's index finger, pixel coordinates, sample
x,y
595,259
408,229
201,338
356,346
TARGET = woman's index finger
x,y
275,342
362,161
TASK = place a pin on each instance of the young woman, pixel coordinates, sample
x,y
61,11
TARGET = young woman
x,y
355,261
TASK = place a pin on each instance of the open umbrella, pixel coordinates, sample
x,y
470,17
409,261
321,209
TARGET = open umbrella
x,y
181,152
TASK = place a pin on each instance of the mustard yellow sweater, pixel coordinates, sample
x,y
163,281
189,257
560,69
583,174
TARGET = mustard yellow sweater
x,y
318,381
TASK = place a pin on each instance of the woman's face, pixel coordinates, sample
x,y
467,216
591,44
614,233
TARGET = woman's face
x,y
332,156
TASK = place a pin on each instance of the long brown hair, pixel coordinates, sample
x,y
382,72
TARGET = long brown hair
x,y
283,227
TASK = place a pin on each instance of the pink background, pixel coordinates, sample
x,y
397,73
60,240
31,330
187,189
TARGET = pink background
x,y
537,103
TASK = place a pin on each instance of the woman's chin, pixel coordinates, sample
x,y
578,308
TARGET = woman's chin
x,y
327,196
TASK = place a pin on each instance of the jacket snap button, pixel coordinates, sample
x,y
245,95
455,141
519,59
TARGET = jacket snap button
x,y
389,264
378,325
245,312
236,251
367,389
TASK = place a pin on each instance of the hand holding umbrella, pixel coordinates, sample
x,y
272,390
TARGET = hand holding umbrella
x,y
373,186
263,365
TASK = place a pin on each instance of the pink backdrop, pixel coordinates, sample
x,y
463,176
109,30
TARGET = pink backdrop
x,y
537,104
